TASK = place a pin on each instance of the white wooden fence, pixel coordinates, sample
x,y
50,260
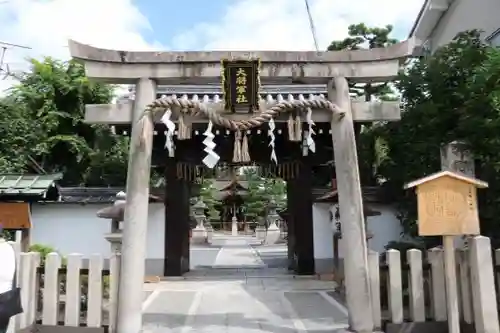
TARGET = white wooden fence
x,y
415,291
63,292
401,291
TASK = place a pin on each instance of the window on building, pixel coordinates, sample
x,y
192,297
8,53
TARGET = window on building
x,y
494,38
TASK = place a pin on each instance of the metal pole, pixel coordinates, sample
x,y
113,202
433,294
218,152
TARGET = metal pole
x,y
311,24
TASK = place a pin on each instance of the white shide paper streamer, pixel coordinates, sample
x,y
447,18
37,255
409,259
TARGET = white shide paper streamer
x,y
272,127
309,140
169,135
212,158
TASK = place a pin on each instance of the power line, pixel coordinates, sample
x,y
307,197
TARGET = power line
x,y
311,24
4,46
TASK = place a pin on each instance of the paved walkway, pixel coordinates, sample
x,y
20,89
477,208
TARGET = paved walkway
x,y
239,293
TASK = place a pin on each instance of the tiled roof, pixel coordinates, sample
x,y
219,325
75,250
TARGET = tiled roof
x,y
214,92
93,195
89,195
27,186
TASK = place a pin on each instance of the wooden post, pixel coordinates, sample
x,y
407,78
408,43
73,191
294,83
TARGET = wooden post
x,y
447,206
129,317
177,210
356,273
290,192
302,212
451,285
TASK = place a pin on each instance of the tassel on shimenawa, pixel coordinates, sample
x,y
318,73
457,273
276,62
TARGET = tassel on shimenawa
x,y
298,128
245,152
184,132
237,147
291,128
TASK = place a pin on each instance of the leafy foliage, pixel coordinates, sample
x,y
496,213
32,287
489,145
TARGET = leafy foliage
x,y
206,194
362,37
453,94
260,192
359,37
43,117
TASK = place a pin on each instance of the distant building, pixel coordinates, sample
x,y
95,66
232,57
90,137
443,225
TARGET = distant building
x,y
439,21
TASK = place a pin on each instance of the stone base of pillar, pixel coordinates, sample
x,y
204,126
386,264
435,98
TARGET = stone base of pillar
x,y
210,233
273,235
234,229
199,236
260,233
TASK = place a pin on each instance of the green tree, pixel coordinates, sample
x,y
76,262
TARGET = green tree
x,y
451,95
19,134
359,37
275,188
254,202
207,195
260,192
43,116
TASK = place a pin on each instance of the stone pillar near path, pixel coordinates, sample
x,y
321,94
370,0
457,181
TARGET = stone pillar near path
x,y
234,226
129,316
199,233
483,286
357,279
456,157
273,232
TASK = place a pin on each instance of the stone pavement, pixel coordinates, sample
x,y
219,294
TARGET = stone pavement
x,y
240,293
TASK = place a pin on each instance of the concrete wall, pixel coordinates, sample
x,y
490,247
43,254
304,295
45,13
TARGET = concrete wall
x,y
385,228
74,228
465,15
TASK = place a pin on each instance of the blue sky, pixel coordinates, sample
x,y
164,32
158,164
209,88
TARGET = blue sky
x,y
187,14
139,25
165,28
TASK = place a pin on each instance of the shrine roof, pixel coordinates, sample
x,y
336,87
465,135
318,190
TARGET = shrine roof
x,y
214,89
222,195
371,194
214,92
224,185
29,186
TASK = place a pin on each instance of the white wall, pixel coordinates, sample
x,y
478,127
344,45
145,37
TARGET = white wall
x,y
464,15
385,228
322,231
75,228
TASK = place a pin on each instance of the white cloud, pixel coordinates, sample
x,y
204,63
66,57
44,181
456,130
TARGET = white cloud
x,y
284,24
46,26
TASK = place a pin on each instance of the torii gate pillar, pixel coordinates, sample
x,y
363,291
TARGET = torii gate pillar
x,y
351,211
136,211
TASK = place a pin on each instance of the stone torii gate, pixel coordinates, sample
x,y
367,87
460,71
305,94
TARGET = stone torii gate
x,y
334,69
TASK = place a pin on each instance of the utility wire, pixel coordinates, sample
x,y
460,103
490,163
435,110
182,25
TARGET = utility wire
x,y
311,24
4,67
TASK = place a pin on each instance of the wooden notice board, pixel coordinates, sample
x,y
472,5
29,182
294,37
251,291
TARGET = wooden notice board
x,y
15,215
447,206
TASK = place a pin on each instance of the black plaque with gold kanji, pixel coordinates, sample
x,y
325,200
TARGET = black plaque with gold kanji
x,y
240,83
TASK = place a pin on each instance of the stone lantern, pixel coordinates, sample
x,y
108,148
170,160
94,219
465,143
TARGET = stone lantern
x,y
116,214
273,232
199,233
272,215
